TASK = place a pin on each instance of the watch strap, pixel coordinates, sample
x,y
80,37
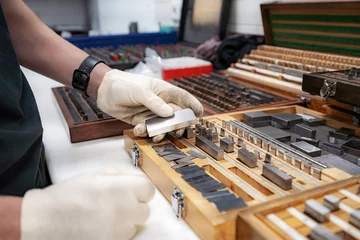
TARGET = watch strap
x,y
81,76
89,63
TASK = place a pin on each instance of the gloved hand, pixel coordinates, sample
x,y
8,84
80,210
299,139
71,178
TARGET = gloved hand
x,y
109,204
135,98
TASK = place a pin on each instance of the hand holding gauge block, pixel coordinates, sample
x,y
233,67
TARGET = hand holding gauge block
x,y
181,119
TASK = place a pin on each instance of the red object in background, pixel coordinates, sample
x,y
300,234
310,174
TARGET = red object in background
x,y
114,57
169,74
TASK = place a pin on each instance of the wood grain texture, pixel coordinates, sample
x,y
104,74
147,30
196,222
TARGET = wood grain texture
x,y
202,216
253,224
79,132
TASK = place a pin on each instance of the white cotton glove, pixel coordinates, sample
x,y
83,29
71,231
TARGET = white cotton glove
x,y
109,205
135,98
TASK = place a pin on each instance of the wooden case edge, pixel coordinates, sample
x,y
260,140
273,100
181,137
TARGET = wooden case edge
x,y
90,130
220,227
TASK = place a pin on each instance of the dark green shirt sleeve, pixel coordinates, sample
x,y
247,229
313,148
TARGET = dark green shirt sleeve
x,y
22,162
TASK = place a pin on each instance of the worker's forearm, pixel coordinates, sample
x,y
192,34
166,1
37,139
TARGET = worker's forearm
x,y
40,49
10,213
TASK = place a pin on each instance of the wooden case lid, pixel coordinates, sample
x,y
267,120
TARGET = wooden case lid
x,y
317,26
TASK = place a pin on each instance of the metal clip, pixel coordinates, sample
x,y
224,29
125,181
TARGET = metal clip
x,y
356,119
328,89
356,109
135,155
354,74
178,202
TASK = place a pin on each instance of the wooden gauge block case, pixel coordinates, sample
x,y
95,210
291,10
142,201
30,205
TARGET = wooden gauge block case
x,y
305,42
222,165
83,119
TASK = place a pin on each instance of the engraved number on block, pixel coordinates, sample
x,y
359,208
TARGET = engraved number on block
x,y
178,202
135,155
328,89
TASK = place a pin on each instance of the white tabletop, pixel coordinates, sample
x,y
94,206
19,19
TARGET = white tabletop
x,y
66,160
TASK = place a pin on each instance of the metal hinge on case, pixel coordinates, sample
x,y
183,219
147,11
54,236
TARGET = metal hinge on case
x,y
328,89
135,155
178,202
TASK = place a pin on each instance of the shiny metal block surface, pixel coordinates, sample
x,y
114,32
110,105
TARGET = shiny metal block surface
x,y
181,119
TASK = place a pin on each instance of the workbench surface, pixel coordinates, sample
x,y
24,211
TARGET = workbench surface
x,y
66,160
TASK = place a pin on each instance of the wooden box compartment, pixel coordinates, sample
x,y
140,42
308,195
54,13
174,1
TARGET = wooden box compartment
x,y
303,38
246,183
209,94
316,26
322,132
95,125
285,218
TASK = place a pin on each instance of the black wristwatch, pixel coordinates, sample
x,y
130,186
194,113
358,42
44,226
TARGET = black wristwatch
x,y
81,76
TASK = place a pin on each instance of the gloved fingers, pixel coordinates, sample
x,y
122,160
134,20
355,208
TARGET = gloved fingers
x,y
120,172
158,138
140,213
126,114
129,233
157,105
183,99
180,132
141,187
140,130
136,186
142,117
175,107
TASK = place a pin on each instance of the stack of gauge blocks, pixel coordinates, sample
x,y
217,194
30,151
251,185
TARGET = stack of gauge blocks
x,y
81,108
290,64
280,68
305,72
211,189
328,213
221,94
115,58
84,120
224,164
311,136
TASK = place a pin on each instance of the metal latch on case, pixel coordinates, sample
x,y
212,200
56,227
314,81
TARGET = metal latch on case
x,y
328,89
135,155
178,202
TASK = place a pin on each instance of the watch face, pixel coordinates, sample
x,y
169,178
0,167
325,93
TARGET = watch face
x,y
80,80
